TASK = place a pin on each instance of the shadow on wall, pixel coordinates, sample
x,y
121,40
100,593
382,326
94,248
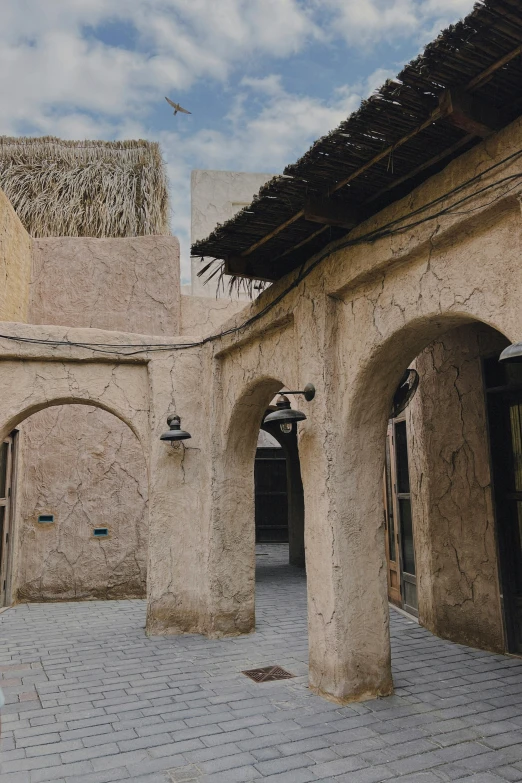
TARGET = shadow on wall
x,y
84,468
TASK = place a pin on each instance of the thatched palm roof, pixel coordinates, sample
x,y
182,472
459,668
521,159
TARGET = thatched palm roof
x,y
398,138
85,188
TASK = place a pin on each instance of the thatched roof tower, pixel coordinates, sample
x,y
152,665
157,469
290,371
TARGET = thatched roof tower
x,y
85,188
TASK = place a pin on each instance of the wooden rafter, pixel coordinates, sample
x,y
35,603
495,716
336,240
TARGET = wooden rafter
x,y
442,111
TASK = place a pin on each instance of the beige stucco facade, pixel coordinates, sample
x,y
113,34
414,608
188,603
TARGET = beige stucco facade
x,y
15,264
453,505
80,464
351,327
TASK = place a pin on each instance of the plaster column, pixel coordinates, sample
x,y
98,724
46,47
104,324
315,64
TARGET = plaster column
x,y
346,569
454,522
341,448
178,566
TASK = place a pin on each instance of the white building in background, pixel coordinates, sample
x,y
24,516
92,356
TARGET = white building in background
x,y
216,196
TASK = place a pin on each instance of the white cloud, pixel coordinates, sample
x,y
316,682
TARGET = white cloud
x,y
58,77
365,23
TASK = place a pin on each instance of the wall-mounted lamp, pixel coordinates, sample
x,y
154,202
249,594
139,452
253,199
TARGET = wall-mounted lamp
x,y
404,392
512,354
175,432
285,415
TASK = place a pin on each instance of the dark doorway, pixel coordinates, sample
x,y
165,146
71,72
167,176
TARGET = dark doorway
x,y
400,545
6,474
271,496
504,397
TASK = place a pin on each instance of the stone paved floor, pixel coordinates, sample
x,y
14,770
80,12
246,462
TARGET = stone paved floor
x,y
92,700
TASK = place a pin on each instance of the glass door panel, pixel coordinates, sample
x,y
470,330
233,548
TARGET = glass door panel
x,y
400,545
505,436
407,544
5,480
392,544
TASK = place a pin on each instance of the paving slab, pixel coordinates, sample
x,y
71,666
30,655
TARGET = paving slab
x,y
93,700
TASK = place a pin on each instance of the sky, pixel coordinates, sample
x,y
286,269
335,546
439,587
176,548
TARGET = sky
x,y
262,78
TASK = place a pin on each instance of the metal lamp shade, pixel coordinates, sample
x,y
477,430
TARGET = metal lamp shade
x,y
284,413
512,354
175,432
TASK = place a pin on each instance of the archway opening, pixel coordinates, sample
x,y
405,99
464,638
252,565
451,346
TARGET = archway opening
x,y
265,511
443,484
75,526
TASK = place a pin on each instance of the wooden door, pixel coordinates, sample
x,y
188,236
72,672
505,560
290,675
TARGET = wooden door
x,y
271,497
505,430
6,462
391,528
404,518
400,545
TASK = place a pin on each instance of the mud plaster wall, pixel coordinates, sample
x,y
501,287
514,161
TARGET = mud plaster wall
x,y
79,463
84,466
130,285
202,314
455,547
15,264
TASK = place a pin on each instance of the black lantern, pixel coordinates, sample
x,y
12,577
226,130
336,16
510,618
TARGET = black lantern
x,y
175,432
512,354
284,415
404,392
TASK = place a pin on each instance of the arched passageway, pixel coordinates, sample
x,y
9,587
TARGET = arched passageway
x,y
441,536
233,588
287,479
360,588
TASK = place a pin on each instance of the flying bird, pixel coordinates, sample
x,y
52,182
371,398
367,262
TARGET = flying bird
x,y
177,107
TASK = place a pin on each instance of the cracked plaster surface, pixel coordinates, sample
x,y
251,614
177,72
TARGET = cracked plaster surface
x,y
458,585
15,264
359,320
84,466
129,284
81,463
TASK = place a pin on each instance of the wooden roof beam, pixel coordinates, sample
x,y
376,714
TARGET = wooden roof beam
x,y
331,213
440,112
464,111
239,266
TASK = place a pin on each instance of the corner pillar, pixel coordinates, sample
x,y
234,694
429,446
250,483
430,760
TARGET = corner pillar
x,y
179,507
348,614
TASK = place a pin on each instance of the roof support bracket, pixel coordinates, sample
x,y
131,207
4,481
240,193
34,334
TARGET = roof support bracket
x,y
238,266
331,213
469,114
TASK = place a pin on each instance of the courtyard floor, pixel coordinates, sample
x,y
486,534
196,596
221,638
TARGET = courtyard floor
x,y
92,700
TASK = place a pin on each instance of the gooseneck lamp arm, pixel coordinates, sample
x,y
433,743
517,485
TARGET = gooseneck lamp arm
x,y
308,392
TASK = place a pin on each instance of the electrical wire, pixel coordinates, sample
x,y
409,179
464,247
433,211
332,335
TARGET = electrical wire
x,y
391,228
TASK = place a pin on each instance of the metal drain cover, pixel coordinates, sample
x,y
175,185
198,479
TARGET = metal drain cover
x,y
268,674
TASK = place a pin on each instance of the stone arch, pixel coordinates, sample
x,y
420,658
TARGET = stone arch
x,y
85,467
232,587
361,405
28,386
28,411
